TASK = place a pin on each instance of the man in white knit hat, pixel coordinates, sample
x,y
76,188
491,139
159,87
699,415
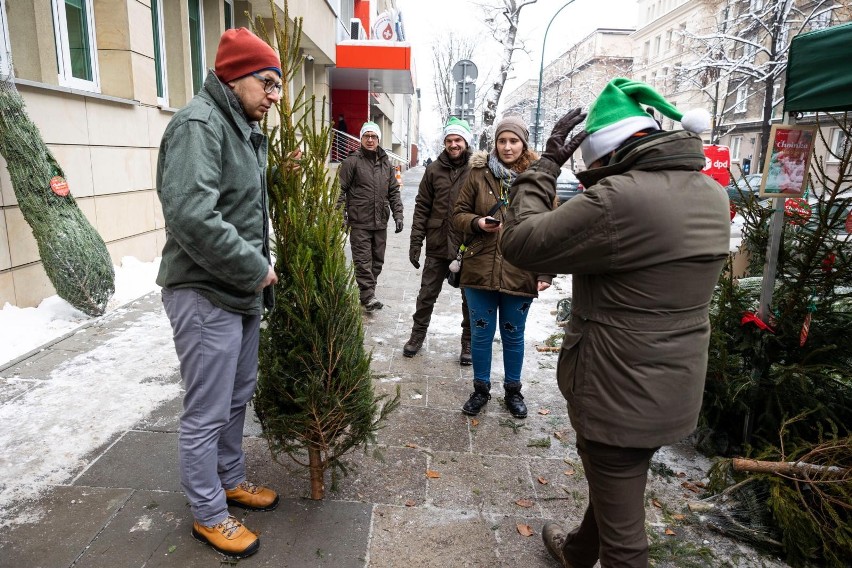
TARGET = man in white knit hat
x,y
645,244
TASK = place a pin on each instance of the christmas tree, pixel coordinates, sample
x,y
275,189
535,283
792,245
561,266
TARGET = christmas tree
x,y
780,390
315,397
72,252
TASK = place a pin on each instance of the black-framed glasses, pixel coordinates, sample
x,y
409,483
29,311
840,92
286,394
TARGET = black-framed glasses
x,y
269,85
370,137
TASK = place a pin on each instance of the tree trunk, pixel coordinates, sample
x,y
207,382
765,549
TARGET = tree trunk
x,y
317,471
790,468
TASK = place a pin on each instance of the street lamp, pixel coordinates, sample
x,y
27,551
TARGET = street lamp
x,y
541,74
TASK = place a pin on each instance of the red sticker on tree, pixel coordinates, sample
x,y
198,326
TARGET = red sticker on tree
x,y
59,186
797,210
849,222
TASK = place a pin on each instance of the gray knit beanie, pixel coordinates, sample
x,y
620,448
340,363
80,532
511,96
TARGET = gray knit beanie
x,y
515,125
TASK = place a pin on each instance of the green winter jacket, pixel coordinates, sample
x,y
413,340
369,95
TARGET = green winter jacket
x,y
211,181
645,243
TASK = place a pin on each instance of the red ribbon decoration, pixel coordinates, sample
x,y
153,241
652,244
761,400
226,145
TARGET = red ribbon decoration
x,y
751,317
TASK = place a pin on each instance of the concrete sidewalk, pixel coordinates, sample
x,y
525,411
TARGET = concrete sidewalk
x,y
121,505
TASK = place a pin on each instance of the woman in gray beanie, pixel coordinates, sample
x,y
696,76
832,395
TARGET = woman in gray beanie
x,y
493,287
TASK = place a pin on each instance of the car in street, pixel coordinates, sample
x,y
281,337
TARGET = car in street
x,y
567,186
744,189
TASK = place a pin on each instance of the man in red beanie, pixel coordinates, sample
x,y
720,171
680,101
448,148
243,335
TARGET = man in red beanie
x,y
217,277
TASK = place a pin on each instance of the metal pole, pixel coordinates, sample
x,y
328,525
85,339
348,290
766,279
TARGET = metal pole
x,y
541,76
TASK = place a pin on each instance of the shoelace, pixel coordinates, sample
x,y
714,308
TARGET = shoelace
x,y
249,487
229,526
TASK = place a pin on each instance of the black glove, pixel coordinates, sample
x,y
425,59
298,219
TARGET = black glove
x,y
398,226
558,149
414,256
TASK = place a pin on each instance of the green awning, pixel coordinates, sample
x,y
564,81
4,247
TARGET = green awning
x,y
818,71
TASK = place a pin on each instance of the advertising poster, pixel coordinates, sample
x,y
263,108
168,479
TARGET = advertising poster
x,y
788,159
717,163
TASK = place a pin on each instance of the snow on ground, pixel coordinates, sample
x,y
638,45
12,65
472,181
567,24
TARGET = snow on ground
x,y
25,329
47,431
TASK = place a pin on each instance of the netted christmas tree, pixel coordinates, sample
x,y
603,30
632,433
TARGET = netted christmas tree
x,y
780,390
315,397
72,252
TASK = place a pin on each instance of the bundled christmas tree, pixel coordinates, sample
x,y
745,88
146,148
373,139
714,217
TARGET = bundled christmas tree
x,y
780,390
315,397
72,252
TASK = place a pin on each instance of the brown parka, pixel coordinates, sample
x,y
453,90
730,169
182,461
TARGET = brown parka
x,y
433,207
370,190
483,264
645,243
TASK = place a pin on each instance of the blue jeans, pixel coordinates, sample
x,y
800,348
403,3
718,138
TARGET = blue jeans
x,y
484,307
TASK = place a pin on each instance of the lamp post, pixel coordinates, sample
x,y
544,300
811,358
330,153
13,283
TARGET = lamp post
x,y
541,74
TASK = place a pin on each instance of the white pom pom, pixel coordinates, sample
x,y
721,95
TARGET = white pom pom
x,y
696,120
455,266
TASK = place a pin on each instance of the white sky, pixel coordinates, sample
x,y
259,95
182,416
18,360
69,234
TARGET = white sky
x,y
425,21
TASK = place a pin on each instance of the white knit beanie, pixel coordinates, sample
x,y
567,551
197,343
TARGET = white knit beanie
x,y
459,128
371,127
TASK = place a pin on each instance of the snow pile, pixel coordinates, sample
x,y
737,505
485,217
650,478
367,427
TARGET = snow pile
x,y
46,433
25,329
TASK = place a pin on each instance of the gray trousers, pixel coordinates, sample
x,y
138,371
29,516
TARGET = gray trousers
x,y
217,351
431,283
613,528
368,256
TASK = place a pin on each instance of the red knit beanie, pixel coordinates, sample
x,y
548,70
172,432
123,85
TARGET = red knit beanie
x,y
241,52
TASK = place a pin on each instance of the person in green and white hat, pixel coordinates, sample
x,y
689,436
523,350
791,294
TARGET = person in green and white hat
x,y
645,244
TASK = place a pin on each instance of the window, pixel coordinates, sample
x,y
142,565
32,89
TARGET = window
x,y
159,52
839,145
682,43
75,41
736,143
196,44
657,46
5,50
749,49
646,51
229,14
667,45
756,5
741,104
821,20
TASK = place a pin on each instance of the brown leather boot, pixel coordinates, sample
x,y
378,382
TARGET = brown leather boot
x,y
415,342
230,537
553,536
252,497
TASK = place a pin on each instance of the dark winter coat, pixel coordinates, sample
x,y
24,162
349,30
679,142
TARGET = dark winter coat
x,y
483,264
370,190
645,243
211,181
433,207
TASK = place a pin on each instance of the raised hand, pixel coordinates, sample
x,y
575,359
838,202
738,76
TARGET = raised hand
x,y
559,147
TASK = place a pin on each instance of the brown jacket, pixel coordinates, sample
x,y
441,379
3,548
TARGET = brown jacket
x,y
370,190
645,242
483,265
433,208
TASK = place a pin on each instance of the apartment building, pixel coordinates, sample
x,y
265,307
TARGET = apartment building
x,y
102,78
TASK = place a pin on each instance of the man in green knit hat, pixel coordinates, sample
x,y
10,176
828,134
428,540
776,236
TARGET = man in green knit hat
x,y
433,212
645,244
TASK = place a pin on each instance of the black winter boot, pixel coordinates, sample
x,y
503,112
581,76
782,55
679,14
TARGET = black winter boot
x,y
515,400
465,357
415,342
478,398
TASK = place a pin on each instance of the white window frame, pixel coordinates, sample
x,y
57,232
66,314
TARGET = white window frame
x,y
836,148
5,47
164,78
735,147
63,55
229,5
741,104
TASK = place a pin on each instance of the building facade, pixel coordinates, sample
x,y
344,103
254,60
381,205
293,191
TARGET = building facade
x,y
102,78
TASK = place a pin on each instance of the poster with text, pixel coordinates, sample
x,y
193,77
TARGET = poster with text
x,y
788,159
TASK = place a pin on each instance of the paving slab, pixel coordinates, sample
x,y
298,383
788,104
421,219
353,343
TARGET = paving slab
x,y
12,388
426,428
59,527
391,476
428,537
499,433
166,418
139,460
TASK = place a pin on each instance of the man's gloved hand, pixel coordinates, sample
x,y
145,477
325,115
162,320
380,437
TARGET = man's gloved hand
x,y
414,256
558,149
399,226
